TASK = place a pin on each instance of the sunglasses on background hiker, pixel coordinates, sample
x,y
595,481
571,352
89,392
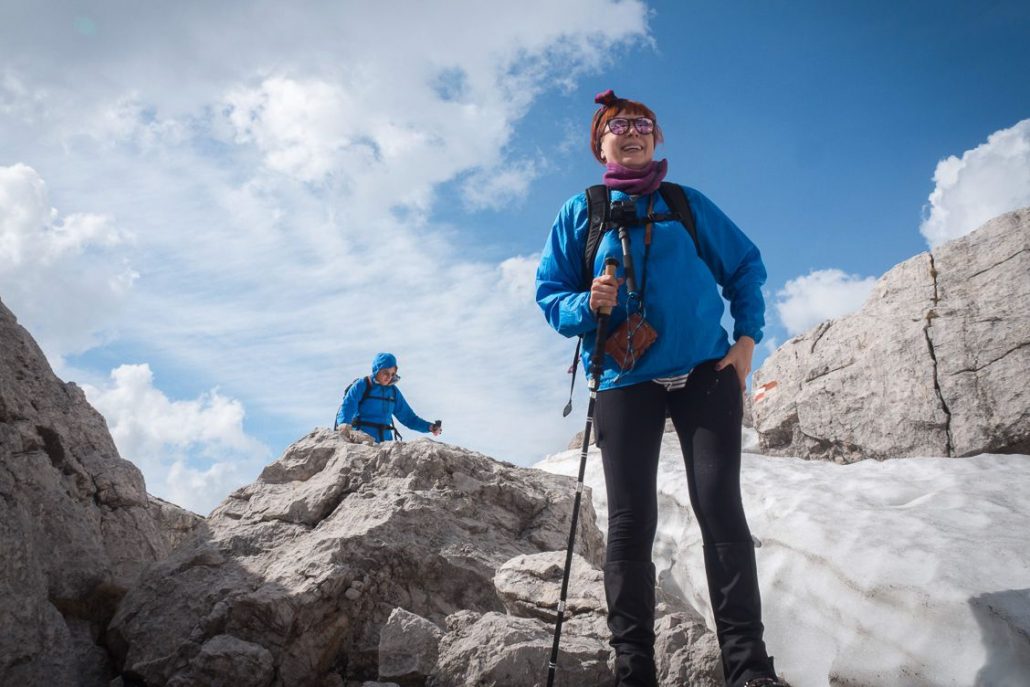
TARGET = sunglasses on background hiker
x,y
620,125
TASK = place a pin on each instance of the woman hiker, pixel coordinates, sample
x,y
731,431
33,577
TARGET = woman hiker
x,y
370,403
690,372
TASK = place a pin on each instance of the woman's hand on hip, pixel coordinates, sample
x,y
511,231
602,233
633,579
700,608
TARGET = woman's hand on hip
x,y
739,356
604,292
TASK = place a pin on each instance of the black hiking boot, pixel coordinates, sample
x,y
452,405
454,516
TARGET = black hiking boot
x,y
629,590
767,681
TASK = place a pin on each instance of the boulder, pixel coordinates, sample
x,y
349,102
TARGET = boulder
x,y
932,365
76,524
495,650
530,586
514,650
310,561
408,647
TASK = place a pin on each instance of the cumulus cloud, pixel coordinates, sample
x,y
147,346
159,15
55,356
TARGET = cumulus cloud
x,y
302,128
820,295
65,277
988,180
192,453
280,178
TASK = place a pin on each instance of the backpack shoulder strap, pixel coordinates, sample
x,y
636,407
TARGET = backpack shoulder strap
x,y
336,423
597,209
676,198
364,395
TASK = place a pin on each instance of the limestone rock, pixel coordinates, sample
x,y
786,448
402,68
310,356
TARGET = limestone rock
x,y
503,650
224,659
932,365
980,334
76,523
686,651
514,650
408,647
530,586
309,561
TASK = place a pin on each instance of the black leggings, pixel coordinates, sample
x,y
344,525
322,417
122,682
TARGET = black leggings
x,y
630,423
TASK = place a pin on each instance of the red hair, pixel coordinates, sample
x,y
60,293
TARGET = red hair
x,y
611,106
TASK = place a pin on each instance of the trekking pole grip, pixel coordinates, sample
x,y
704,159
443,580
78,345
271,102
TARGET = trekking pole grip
x,y
611,265
597,357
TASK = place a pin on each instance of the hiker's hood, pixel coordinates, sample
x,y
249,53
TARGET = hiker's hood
x,y
382,361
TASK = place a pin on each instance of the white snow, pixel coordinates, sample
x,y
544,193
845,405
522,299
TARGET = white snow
x,y
907,572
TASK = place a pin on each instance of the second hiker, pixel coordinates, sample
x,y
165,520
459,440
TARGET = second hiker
x,y
370,403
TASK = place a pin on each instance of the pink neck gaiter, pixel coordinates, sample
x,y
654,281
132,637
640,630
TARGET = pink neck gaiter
x,y
635,181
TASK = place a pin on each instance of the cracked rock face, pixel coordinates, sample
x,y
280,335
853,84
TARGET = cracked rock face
x,y
934,364
76,524
513,649
309,562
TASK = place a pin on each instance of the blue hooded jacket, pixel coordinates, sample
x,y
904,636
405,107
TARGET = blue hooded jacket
x,y
682,298
374,415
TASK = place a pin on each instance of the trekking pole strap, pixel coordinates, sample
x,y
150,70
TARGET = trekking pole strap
x,y
597,361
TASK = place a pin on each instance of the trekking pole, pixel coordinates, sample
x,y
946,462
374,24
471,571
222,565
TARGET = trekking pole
x,y
610,265
627,263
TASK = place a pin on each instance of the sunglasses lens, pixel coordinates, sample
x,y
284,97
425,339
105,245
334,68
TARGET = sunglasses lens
x,y
643,125
618,126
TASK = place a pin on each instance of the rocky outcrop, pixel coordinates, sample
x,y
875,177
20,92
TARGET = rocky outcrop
x,y
307,565
346,563
76,524
934,364
513,649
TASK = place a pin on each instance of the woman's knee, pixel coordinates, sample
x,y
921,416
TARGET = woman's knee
x,y
631,536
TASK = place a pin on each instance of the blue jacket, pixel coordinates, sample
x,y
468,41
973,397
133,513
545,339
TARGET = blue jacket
x,y
378,408
682,297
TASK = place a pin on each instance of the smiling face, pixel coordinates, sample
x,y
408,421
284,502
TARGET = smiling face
x,y
386,375
630,149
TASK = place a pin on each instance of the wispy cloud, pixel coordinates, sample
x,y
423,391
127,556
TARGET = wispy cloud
x,y
498,187
988,180
821,295
277,166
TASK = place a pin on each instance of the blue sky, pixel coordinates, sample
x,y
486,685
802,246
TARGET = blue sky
x,y
214,217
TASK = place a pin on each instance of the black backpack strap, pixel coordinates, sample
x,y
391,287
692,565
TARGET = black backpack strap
x,y
676,198
336,422
364,395
597,209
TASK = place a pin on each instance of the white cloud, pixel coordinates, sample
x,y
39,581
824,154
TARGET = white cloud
x,y
518,274
988,180
496,188
192,453
280,180
302,128
65,278
820,295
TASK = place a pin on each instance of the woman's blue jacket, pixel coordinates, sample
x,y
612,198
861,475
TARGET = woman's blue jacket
x,y
682,298
378,408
